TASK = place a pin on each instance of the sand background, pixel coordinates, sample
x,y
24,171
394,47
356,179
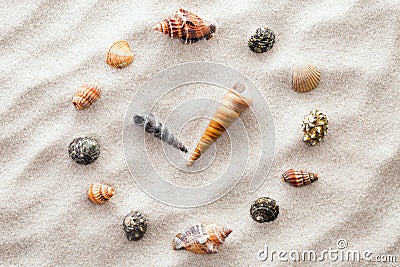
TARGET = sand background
x,y
49,48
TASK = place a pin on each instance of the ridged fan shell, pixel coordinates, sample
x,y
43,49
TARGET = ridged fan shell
x,y
100,193
299,178
86,95
119,55
232,105
305,78
201,238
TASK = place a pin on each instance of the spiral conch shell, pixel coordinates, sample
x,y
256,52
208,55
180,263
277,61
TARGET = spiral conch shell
x,y
232,105
299,178
186,26
100,193
119,55
86,95
305,78
201,238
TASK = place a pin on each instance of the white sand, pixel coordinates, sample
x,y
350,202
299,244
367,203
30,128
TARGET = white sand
x,y
50,48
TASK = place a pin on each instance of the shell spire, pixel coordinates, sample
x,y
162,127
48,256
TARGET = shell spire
x,y
186,26
201,238
299,178
232,105
100,193
155,127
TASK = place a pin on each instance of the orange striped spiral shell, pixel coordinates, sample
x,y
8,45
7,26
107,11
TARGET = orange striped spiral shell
x,y
119,55
100,193
201,238
186,26
86,95
232,105
299,178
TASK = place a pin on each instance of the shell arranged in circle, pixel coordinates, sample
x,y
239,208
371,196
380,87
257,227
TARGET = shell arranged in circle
x,y
201,238
86,95
232,105
84,150
264,209
299,178
135,225
305,79
100,193
186,26
262,40
119,54
155,127
315,127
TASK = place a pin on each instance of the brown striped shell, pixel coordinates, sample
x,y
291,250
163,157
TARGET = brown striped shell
x,y
305,78
119,54
232,105
201,238
299,178
100,193
86,95
186,26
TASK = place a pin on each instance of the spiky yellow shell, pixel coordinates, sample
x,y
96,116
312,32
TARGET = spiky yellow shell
x,y
119,54
201,238
86,95
232,105
305,78
100,193
186,26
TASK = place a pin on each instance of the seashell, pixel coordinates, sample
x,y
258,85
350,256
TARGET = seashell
x,y
305,79
84,150
119,54
299,178
264,209
315,127
262,40
186,26
232,105
201,238
155,127
135,225
100,193
86,95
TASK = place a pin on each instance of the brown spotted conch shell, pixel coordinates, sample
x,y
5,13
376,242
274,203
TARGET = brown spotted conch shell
x,y
186,26
86,95
201,238
119,54
305,78
232,105
100,193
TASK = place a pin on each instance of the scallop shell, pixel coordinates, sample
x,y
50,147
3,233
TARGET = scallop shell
x,y
186,26
86,95
135,225
100,193
232,105
305,78
264,209
201,238
84,150
299,178
119,55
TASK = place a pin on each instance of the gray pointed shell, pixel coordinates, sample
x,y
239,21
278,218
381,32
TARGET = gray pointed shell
x,y
305,78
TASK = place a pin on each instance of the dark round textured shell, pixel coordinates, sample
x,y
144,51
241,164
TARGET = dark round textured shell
x,y
262,41
84,150
264,209
135,225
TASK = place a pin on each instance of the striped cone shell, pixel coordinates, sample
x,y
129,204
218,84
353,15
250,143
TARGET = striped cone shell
x,y
186,26
232,105
100,193
299,178
86,95
201,238
305,79
119,54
